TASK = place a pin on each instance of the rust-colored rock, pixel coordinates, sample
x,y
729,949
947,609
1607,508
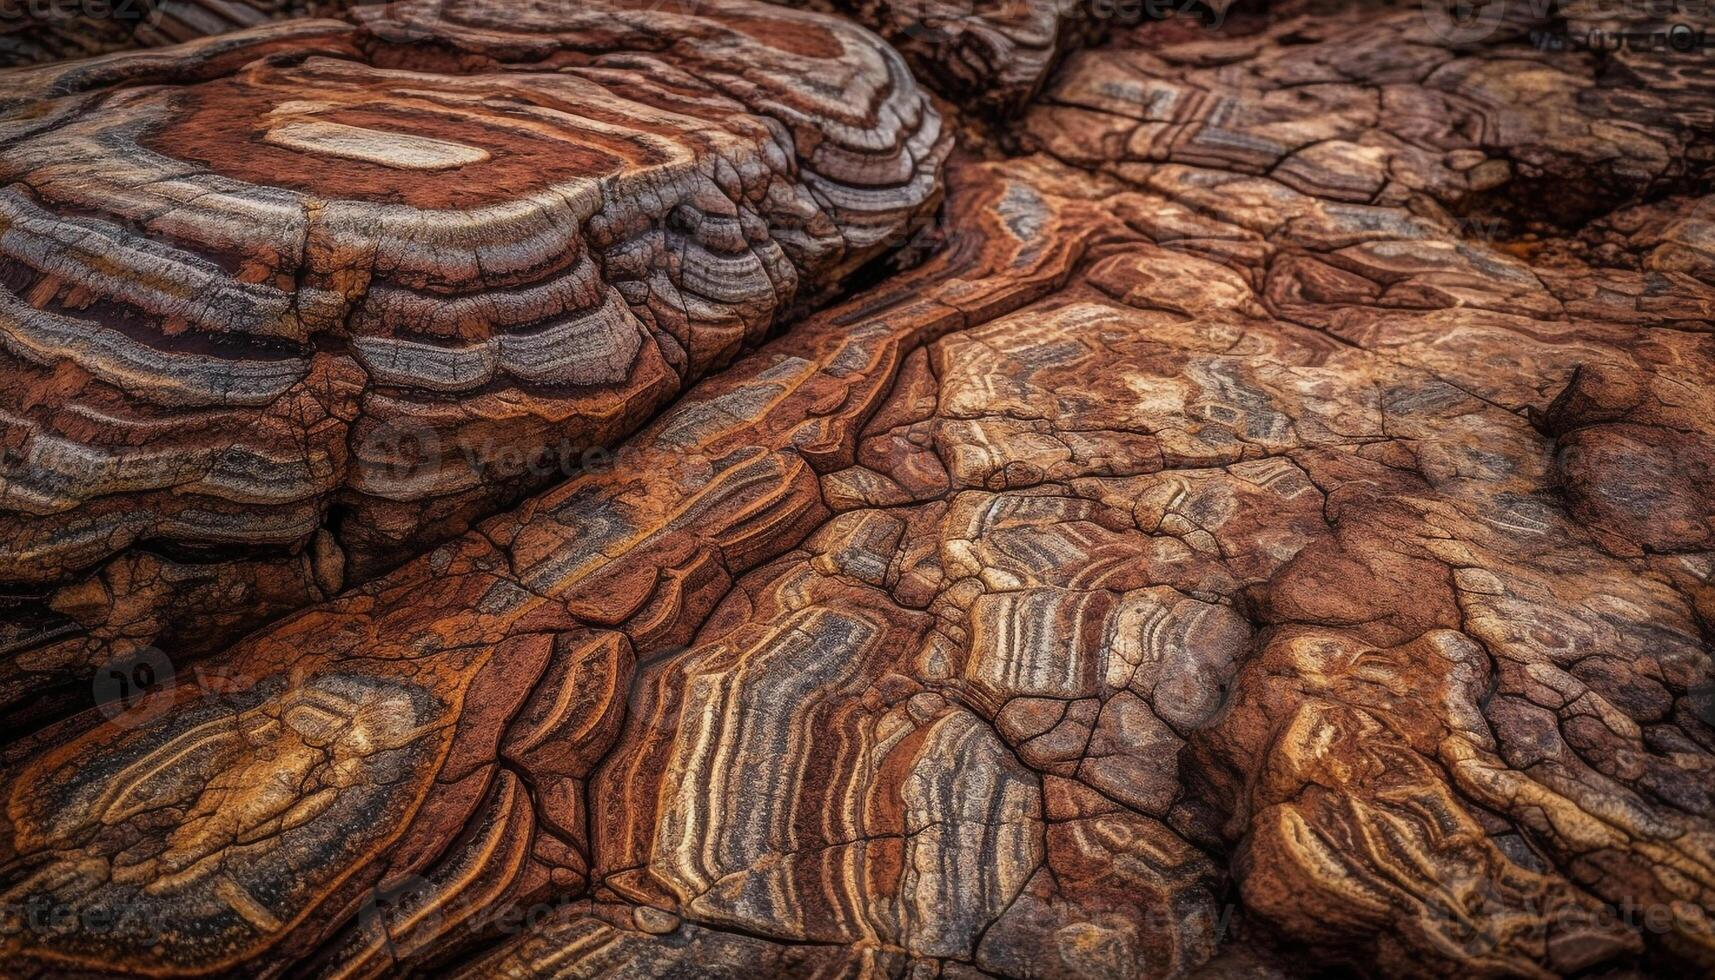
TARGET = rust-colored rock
x,y
992,55
507,654
33,31
989,53
1270,532
306,300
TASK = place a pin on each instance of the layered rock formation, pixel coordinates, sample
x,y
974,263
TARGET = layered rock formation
x,y
993,53
1270,532
34,31
989,55
281,305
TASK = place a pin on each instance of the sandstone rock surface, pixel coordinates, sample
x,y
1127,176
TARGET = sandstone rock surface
x,y
286,305
1268,532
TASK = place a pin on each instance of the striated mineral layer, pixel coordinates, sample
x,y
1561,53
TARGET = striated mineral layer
x,y
1250,515
285,307
991,54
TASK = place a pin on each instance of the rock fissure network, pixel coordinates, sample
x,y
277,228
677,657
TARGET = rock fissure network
x,y
871,488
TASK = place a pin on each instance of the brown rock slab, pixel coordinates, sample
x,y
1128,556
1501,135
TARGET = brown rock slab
x,y
312,283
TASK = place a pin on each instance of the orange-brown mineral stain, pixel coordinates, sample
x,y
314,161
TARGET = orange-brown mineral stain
x,y
235,128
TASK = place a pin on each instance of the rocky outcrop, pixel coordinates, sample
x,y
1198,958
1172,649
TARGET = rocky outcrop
x,y
1270,528
304,301
33,31
989,53
542,616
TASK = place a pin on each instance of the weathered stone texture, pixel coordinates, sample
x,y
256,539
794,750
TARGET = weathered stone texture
x,y
1269,532
294,303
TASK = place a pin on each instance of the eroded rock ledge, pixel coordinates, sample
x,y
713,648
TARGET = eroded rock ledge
x,y
989,53
1270,533
295,304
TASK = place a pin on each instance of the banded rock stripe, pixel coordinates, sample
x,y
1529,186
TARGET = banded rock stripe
x,y
1218,558
514,648
1308,531
35,31
992,53
318,285
989,55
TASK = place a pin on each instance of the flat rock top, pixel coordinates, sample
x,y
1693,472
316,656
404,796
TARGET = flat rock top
x,y
297,167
